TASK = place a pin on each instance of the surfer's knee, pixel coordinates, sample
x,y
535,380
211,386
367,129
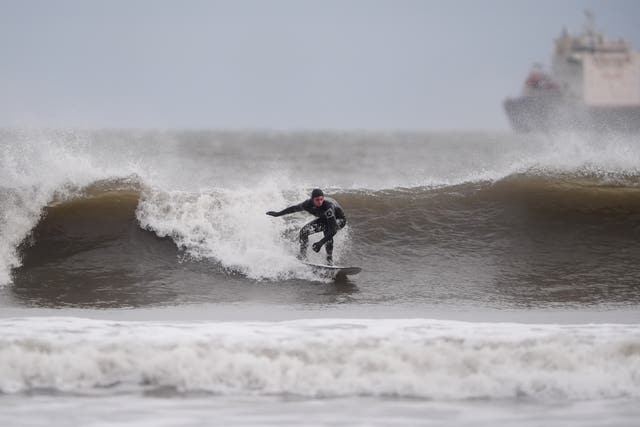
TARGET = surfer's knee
x,y
304,233
328,234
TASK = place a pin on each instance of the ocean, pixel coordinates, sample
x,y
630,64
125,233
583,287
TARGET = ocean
x,y
141,282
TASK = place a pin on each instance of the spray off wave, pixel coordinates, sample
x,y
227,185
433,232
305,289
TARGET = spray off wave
x,y
34,172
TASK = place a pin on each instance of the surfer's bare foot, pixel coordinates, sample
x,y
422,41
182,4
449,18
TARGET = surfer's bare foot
x,y
329,260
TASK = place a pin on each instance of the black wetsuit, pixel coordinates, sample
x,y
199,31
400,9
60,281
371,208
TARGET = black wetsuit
x,y
329,219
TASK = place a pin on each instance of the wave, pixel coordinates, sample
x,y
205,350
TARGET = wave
x,y
546,191
110,217
404,190
228,226
32,176
323,358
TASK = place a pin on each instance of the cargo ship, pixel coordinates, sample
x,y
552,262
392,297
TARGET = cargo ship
x,y
593,85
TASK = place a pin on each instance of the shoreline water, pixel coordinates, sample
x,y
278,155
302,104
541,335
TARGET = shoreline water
x,y
199,411
240,312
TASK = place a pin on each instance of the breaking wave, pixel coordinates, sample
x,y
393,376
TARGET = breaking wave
x,y
323,358
74,193
229,226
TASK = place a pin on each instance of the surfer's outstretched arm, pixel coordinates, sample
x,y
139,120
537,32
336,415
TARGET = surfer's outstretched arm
x,y
289,210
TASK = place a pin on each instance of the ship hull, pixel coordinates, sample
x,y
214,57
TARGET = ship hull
x,y
542,114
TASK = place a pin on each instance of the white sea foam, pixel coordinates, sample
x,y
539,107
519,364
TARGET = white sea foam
x,y
231,227
324,358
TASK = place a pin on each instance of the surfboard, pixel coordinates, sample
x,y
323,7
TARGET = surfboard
x,y
333,270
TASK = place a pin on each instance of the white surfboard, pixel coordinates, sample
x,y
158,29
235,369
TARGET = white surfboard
x,y
333,270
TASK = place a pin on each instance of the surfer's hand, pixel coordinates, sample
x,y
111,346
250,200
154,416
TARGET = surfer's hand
x,y
272,213
316,246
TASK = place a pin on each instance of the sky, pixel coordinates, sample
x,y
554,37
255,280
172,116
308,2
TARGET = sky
x,y
280,64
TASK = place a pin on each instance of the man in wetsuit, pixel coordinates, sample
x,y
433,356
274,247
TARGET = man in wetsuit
x,y
330,219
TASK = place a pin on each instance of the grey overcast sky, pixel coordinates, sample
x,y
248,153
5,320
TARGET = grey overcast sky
x,y
282,64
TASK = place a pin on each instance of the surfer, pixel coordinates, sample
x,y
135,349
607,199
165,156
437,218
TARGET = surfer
x,y
329,219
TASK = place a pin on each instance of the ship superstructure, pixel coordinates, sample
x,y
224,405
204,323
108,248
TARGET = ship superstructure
x,y
594,84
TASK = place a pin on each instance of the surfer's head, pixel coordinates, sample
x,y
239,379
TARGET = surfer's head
x,y
317,196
